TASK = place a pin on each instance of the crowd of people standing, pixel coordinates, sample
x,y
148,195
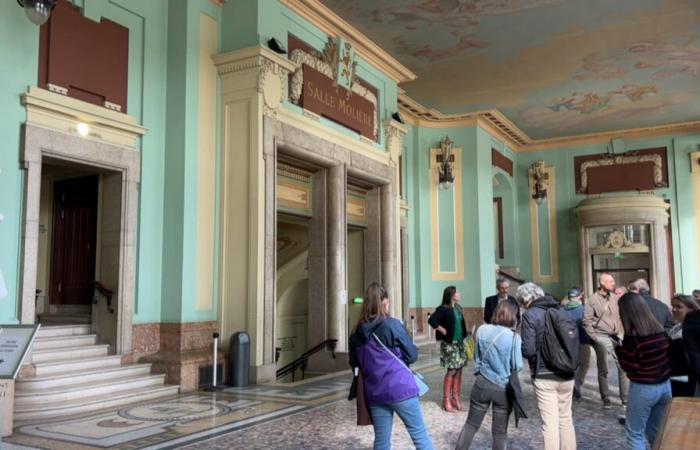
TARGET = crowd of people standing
x,y
655,350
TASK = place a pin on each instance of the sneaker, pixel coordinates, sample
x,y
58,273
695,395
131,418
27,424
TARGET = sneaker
x,y
607,404
577,392
621,419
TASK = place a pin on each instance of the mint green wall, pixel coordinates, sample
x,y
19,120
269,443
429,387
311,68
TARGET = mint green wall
x,y
154,67
477,215
19,53
679,193
180,212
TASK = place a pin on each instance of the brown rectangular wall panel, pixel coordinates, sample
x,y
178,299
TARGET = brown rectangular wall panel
x,y
502,162
89,59
621,177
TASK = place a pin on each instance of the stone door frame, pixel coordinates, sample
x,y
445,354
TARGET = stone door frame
x,y
40,143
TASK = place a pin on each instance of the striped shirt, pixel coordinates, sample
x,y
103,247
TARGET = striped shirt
x,y
645,359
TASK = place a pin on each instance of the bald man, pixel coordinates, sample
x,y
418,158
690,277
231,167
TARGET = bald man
x,y
601,320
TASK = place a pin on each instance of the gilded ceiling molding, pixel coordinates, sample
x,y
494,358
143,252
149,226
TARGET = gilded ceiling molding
x,y
333,25
494,122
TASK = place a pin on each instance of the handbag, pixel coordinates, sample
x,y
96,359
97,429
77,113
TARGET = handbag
x,y
469,345
422,387
514,392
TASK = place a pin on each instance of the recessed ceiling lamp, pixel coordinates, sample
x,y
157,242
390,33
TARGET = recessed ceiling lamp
x,y
38,11
83,129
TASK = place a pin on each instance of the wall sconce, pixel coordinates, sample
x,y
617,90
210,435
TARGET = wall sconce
x,y
37,11
540,176
445,162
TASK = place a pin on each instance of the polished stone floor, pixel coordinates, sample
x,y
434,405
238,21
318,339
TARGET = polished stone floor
x,y
313,414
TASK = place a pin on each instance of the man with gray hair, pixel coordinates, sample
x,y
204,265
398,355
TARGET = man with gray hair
x,y
661,312
553,389
502,286
601,320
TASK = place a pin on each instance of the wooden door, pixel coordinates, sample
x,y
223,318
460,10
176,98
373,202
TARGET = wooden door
x,y
74,241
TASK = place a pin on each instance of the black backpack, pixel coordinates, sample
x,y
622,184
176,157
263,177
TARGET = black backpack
x,y
560,344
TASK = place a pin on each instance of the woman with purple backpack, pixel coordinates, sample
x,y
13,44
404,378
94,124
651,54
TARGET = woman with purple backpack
x,y
382,350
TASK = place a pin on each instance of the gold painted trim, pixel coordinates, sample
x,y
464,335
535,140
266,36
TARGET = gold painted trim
x,y
537,276
498,125
330,23
458,274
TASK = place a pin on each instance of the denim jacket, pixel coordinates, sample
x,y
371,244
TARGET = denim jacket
x,y
495,366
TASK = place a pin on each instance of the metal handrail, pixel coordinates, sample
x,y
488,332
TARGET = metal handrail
x,y
302,360
106,293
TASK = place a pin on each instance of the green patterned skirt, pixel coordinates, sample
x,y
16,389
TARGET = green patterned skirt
x,y
452,356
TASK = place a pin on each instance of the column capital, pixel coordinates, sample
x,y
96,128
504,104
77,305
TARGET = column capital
x,y
394,133
270,69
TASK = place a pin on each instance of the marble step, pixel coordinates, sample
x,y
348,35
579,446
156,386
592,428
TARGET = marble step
x,y
56,342
62,330
106,388
67,379
64,319
74,365
85,405
69,353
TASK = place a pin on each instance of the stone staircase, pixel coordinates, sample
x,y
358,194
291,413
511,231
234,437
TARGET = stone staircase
x,y
66,315
73,374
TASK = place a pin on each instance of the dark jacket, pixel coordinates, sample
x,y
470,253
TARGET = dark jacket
x,y
575,311
490,306
532,333
385,379
661,312
691,342
444,317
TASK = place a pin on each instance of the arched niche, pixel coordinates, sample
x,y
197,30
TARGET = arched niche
x,y
504,220
626,236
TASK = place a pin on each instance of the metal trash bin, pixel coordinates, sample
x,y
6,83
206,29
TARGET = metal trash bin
x,y
239,358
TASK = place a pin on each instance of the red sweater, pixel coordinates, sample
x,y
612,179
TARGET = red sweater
x,y
645,359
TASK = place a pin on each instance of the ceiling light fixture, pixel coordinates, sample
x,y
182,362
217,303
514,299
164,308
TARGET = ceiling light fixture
x,y
37,11
83,129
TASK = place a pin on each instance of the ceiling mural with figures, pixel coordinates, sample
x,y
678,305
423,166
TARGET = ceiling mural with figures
x,y
553,67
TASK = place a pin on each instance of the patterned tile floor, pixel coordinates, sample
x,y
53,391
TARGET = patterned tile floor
x,y
309,415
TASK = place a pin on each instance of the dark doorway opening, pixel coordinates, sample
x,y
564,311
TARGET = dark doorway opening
x,y
74,236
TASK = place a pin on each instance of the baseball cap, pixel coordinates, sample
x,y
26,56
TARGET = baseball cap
x,y
575,292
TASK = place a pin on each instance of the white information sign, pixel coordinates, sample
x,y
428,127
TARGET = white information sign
x,y
15,342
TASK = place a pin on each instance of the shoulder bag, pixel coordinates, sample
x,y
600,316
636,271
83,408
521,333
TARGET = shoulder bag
x,y
422,387
514,392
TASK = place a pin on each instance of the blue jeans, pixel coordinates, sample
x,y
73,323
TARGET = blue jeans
x,y
646,405
410,413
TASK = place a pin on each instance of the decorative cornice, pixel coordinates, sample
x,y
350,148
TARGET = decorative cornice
x,y
249,58
59,112
494,122
333,25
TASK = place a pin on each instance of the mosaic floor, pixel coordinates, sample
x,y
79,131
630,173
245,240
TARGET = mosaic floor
x,y
306,415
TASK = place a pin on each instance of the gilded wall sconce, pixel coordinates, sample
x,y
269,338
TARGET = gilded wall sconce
x,y
540,177
445,160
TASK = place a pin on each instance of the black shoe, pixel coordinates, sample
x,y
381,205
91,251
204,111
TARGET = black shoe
x,y
577,392
621,419
607,404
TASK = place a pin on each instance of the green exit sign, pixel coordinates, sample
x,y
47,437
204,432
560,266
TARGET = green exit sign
x,y
357,300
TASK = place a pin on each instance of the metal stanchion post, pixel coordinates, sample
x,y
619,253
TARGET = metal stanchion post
x,y
413,328
216,360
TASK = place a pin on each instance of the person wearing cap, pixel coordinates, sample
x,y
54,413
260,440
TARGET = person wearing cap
x,y
573,305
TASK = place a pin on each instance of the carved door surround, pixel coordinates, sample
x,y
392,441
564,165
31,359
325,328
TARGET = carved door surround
x,y
618,212
110,147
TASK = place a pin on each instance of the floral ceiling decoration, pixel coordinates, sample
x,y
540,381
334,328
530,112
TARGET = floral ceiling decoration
x,y
553,67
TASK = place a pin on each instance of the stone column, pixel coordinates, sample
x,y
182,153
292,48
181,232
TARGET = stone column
x,y
337,236
391,232
390,238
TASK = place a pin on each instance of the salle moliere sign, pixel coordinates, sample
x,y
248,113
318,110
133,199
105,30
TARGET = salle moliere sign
x,y
320,96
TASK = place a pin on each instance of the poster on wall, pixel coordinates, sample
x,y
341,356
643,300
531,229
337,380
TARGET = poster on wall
x,y
15,342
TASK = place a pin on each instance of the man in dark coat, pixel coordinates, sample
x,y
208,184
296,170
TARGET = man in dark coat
x,y
502,286
661,312
691,345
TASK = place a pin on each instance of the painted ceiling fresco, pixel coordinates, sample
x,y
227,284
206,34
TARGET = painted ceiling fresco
x,y
553,67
